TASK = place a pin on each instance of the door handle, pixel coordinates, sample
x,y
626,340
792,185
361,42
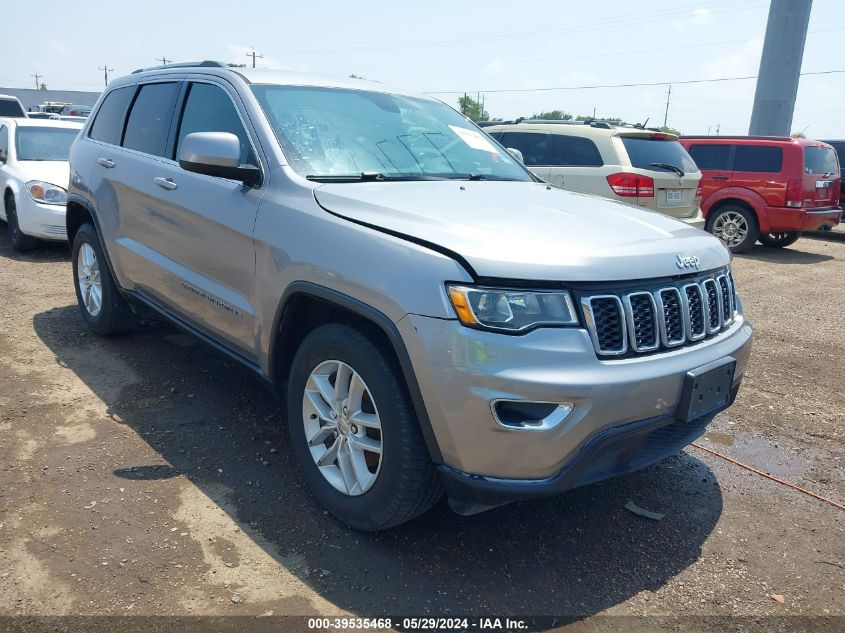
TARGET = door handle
x,y
108,163
165,183
720,177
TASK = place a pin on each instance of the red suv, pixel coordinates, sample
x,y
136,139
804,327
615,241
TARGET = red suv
x,y
765,188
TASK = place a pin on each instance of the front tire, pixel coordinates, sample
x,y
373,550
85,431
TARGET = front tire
x,y
779,240
354,431
103,307
735,226
20,241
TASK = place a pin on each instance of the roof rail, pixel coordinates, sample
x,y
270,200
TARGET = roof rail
x,y
203,64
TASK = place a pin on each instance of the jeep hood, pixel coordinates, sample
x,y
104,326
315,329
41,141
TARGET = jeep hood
x,y
521,230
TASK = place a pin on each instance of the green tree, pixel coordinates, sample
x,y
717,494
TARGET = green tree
x,y
473,109
354,76
670,130
553,115
231,65
590,117
798,135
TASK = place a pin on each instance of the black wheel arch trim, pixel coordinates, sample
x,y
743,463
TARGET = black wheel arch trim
x,y
385,324
92,211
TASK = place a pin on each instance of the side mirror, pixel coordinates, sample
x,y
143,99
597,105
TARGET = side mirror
x,y
516,154
216,154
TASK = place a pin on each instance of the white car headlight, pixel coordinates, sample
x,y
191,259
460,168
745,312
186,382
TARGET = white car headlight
x,y
46,193
512,310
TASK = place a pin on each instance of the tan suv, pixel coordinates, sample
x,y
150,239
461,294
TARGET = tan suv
x,y
630,164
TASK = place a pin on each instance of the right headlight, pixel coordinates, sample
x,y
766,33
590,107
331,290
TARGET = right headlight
x,y
506,310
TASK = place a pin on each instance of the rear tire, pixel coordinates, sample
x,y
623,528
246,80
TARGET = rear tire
x,y
371,490
20,241
779,240
103,307
735,226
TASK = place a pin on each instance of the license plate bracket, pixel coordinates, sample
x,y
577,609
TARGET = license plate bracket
x,y
707,389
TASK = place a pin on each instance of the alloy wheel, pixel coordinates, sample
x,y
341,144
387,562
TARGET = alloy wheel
x,y
342,427
731,227
90,283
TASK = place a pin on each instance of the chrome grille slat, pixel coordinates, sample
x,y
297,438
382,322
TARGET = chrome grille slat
x,y
696,315
671,317
646,320
605,318
642,319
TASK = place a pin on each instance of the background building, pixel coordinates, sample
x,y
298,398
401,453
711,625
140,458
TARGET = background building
x,y
30,97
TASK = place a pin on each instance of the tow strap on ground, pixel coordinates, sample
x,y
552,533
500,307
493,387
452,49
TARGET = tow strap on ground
x,y
768,476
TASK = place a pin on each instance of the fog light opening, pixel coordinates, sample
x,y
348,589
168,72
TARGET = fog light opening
x,y
525,415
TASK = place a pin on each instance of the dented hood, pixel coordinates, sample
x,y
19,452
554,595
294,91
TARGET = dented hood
x,y
521,230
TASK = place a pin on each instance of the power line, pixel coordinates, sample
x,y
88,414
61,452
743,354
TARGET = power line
x,y
625,85
603,22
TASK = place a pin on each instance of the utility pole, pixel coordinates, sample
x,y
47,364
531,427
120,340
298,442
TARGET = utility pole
x,y
164,61
106,70
253,54
780,67
666,113
37,80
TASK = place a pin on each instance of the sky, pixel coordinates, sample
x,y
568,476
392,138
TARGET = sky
x,y
442,46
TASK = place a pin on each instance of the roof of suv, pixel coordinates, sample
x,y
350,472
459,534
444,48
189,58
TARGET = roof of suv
x,y
595,129
755,140
262,76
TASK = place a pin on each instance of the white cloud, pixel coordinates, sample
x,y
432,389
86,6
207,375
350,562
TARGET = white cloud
x,y
702,15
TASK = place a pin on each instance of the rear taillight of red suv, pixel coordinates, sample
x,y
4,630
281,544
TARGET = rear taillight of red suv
x,y
631,185
794,193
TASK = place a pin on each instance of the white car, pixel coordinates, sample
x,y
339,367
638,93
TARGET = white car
x,y
34,177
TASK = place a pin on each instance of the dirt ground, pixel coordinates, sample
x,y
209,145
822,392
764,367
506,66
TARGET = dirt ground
x,y
148,475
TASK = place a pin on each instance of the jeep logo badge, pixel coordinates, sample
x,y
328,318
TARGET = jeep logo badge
x,y
691,261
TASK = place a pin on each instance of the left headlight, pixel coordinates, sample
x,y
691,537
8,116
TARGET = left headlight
x,y
46,193
511,310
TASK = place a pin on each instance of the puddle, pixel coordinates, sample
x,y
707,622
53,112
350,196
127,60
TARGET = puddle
x,y
720,438
760,453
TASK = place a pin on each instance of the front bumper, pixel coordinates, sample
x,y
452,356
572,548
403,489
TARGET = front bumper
x,y
789,219
44,221
616,451
461,371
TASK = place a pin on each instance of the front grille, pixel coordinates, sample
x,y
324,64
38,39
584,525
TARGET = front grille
x,y
635,321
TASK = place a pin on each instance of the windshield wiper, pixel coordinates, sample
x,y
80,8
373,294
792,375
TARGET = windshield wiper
x,y
364,175
674,168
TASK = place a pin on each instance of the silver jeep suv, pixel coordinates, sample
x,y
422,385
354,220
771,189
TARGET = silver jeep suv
x,y
436,318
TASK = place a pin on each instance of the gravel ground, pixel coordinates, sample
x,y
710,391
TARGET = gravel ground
x,y
146,475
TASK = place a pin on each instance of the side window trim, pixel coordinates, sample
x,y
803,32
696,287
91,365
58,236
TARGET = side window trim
x,y
89,127
183,101
138,87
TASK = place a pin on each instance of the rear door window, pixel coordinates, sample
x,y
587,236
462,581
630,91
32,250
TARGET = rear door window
x,y
108,126
708,156
4,142
209,108
533,145
758,158
648,153
820,160
573,151
149,120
